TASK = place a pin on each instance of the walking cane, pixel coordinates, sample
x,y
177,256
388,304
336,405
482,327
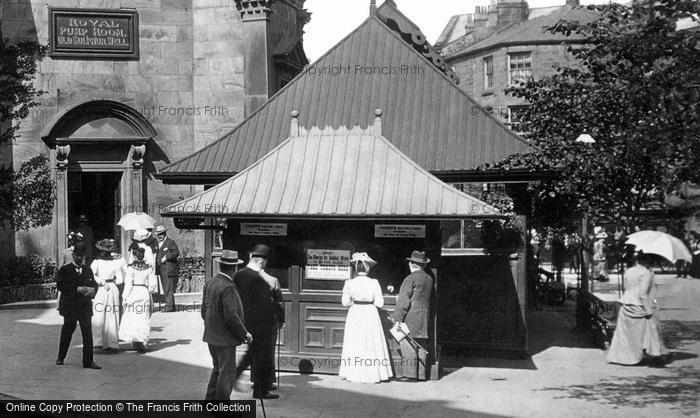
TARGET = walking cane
x,y
278,355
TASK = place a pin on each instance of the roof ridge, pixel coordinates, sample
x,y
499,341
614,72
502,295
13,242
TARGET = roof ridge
x,y
270,99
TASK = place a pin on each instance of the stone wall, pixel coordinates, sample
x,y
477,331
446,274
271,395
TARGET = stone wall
x,y
188,83
471,73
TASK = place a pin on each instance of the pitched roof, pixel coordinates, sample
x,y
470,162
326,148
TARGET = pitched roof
x,y
336,173
531,31
427,116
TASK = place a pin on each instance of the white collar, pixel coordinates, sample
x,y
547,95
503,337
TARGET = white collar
x,y
253,266
227,276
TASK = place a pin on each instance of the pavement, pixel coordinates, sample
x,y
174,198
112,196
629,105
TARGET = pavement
x,y
565,375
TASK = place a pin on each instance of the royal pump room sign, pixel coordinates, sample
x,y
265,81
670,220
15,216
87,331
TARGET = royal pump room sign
x,y
93,34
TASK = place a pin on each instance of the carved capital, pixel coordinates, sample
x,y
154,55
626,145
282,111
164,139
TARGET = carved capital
x,y
136,154
62,153
254,9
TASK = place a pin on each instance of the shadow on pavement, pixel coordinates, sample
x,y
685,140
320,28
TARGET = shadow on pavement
x,y
27,371
678,334
677,389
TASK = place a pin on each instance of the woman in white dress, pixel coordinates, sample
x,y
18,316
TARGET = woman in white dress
x,y
105,318
140,282
365,357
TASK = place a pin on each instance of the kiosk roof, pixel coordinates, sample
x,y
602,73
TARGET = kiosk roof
x,y
333,173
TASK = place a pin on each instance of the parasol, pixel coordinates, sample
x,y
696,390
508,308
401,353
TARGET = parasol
x,y
660,243
136,220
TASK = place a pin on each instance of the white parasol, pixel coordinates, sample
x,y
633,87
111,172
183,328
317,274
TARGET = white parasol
x,y
136,220
660,243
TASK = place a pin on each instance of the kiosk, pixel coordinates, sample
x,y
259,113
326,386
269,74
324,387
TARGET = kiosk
x,y
314,200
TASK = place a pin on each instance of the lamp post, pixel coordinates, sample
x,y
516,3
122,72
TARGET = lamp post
x,y
582,315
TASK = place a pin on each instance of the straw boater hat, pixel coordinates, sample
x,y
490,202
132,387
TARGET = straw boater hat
x,y
141,234
160,229
419,257
107,245
363,258
229,257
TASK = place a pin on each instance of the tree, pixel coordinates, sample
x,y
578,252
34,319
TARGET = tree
x,y
634,88
26,194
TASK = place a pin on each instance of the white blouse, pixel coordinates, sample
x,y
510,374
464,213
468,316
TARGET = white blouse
x,y
362,289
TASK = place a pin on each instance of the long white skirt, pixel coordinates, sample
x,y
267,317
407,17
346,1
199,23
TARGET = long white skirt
x,y
136,321
105,317
365,357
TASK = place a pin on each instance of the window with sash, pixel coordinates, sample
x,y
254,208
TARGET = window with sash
x,y
488,73
519,67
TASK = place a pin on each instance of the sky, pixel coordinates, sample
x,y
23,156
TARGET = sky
x,y
332,20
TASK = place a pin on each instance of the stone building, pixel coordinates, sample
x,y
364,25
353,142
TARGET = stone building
x,y
504,42
133,85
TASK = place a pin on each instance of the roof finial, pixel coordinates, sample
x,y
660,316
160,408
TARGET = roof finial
x,y
372,7
294,131
377,127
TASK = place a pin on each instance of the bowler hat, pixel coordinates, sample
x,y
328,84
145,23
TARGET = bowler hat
x,y
229,257
260,250
82,218
160,229
419,257
80,249
106,245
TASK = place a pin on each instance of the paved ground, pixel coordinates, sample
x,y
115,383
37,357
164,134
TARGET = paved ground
x,y
565,376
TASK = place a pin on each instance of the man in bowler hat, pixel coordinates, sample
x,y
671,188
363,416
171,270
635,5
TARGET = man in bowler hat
x,y
77,285
260,320
166,264
222,313
413,309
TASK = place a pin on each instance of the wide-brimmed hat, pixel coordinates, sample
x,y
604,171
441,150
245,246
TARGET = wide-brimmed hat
x,y
141,234
80,249
75,235
419,257
363,258
82,218
160,229
229,257
260,250
106,245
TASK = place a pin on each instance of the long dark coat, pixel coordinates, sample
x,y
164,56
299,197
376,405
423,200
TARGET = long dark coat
x,y
413,304
222,313
171,252
260,316
68,280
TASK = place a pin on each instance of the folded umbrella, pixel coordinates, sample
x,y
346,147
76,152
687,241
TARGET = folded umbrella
x,y
136,220
660,243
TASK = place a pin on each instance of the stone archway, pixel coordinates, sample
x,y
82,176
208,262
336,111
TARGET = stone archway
x,y
97,155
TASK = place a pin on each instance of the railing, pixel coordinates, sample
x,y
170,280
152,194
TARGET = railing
x,y
599,317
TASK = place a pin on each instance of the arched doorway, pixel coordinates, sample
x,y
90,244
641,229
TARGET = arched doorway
x,y
97,154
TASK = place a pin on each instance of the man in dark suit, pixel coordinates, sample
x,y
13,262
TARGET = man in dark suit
x,y
222,313
77,285
413,309
166,262
260,320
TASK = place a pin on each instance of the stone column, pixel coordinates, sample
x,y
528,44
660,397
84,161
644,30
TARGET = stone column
x,y
258,72
135,196
61,155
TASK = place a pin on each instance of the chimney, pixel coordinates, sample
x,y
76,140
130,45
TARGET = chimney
x,y
377,126
258,75
512,11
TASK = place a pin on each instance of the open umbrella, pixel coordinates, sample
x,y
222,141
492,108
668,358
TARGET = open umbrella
x,y
660,243
136,220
